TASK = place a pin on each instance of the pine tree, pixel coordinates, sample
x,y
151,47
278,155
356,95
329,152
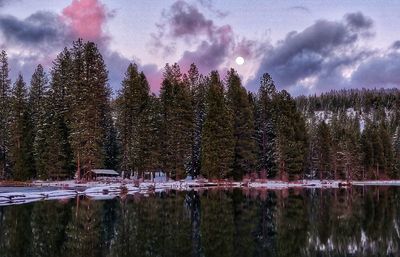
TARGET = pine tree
x,y
111,146
386,140
132,102
58,156
217,135
396,152
292,138
38,101
266,127
198,85
5,101
243,127
21,136
346,146
324,146
150,129
313,162
177,122
367,146
378,155
37,93
90,97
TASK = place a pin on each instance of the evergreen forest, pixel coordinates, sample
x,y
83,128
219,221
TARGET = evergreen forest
x,y
66,122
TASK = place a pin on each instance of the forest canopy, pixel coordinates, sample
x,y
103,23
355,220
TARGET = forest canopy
x,y
67,123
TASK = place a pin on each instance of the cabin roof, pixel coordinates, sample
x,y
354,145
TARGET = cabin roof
x,y
105,172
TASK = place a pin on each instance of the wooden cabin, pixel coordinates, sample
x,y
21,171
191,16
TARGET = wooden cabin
x,y
104,173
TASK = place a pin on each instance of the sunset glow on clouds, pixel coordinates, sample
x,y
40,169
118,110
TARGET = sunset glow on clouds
x,y
86,19
306,49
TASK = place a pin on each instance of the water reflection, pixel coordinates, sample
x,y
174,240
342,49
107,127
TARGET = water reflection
x,y
310,222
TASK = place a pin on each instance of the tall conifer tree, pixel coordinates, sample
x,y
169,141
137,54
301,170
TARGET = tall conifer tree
x,y
198,87
266,127
90,96
59,156
243,127
5,101
177,122
132,105
292,139
38,101
21,136
217,135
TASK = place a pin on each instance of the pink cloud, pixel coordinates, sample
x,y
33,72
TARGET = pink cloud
x,y
86,18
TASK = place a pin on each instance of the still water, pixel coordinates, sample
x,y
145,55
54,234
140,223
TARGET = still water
x,y
304,222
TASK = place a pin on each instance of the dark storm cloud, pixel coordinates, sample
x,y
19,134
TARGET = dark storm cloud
x,y
41,29
317,53
36,39
396,45
379,71
358,20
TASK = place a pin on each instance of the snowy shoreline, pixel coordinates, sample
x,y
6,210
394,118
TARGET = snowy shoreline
x,y
40,190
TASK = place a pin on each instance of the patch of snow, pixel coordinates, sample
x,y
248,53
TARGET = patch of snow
x,y
41,190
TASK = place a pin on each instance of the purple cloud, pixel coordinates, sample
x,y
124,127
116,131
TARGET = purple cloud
x,y
186,20
396,45
212,45
378,71
44,30
315,59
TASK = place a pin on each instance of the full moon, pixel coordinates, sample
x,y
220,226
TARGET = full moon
x,y
239,60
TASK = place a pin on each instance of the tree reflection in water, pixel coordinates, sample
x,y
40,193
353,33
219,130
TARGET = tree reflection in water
x,y
295,222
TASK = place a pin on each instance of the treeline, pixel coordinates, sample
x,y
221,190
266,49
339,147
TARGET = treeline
x,y
200,125
353,133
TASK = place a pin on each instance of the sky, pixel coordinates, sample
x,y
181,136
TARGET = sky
x,y
308,47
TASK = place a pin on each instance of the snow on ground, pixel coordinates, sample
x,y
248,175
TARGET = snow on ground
x,y
108,189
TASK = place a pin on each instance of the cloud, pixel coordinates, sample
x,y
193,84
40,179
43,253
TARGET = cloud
x,y
86,19
358,20
42,35
210,54
4,2
299,8
396,45
41,29
183,21
186,20
33,40
7,2
117,65
209,5
378,71
317,58
211,46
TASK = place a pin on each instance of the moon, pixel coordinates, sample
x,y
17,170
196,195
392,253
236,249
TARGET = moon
x,y
239,60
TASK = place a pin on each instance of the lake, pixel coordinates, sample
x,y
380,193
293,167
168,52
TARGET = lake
x,y
358,221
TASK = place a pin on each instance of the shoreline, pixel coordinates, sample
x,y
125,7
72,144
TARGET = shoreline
x,y
19,193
